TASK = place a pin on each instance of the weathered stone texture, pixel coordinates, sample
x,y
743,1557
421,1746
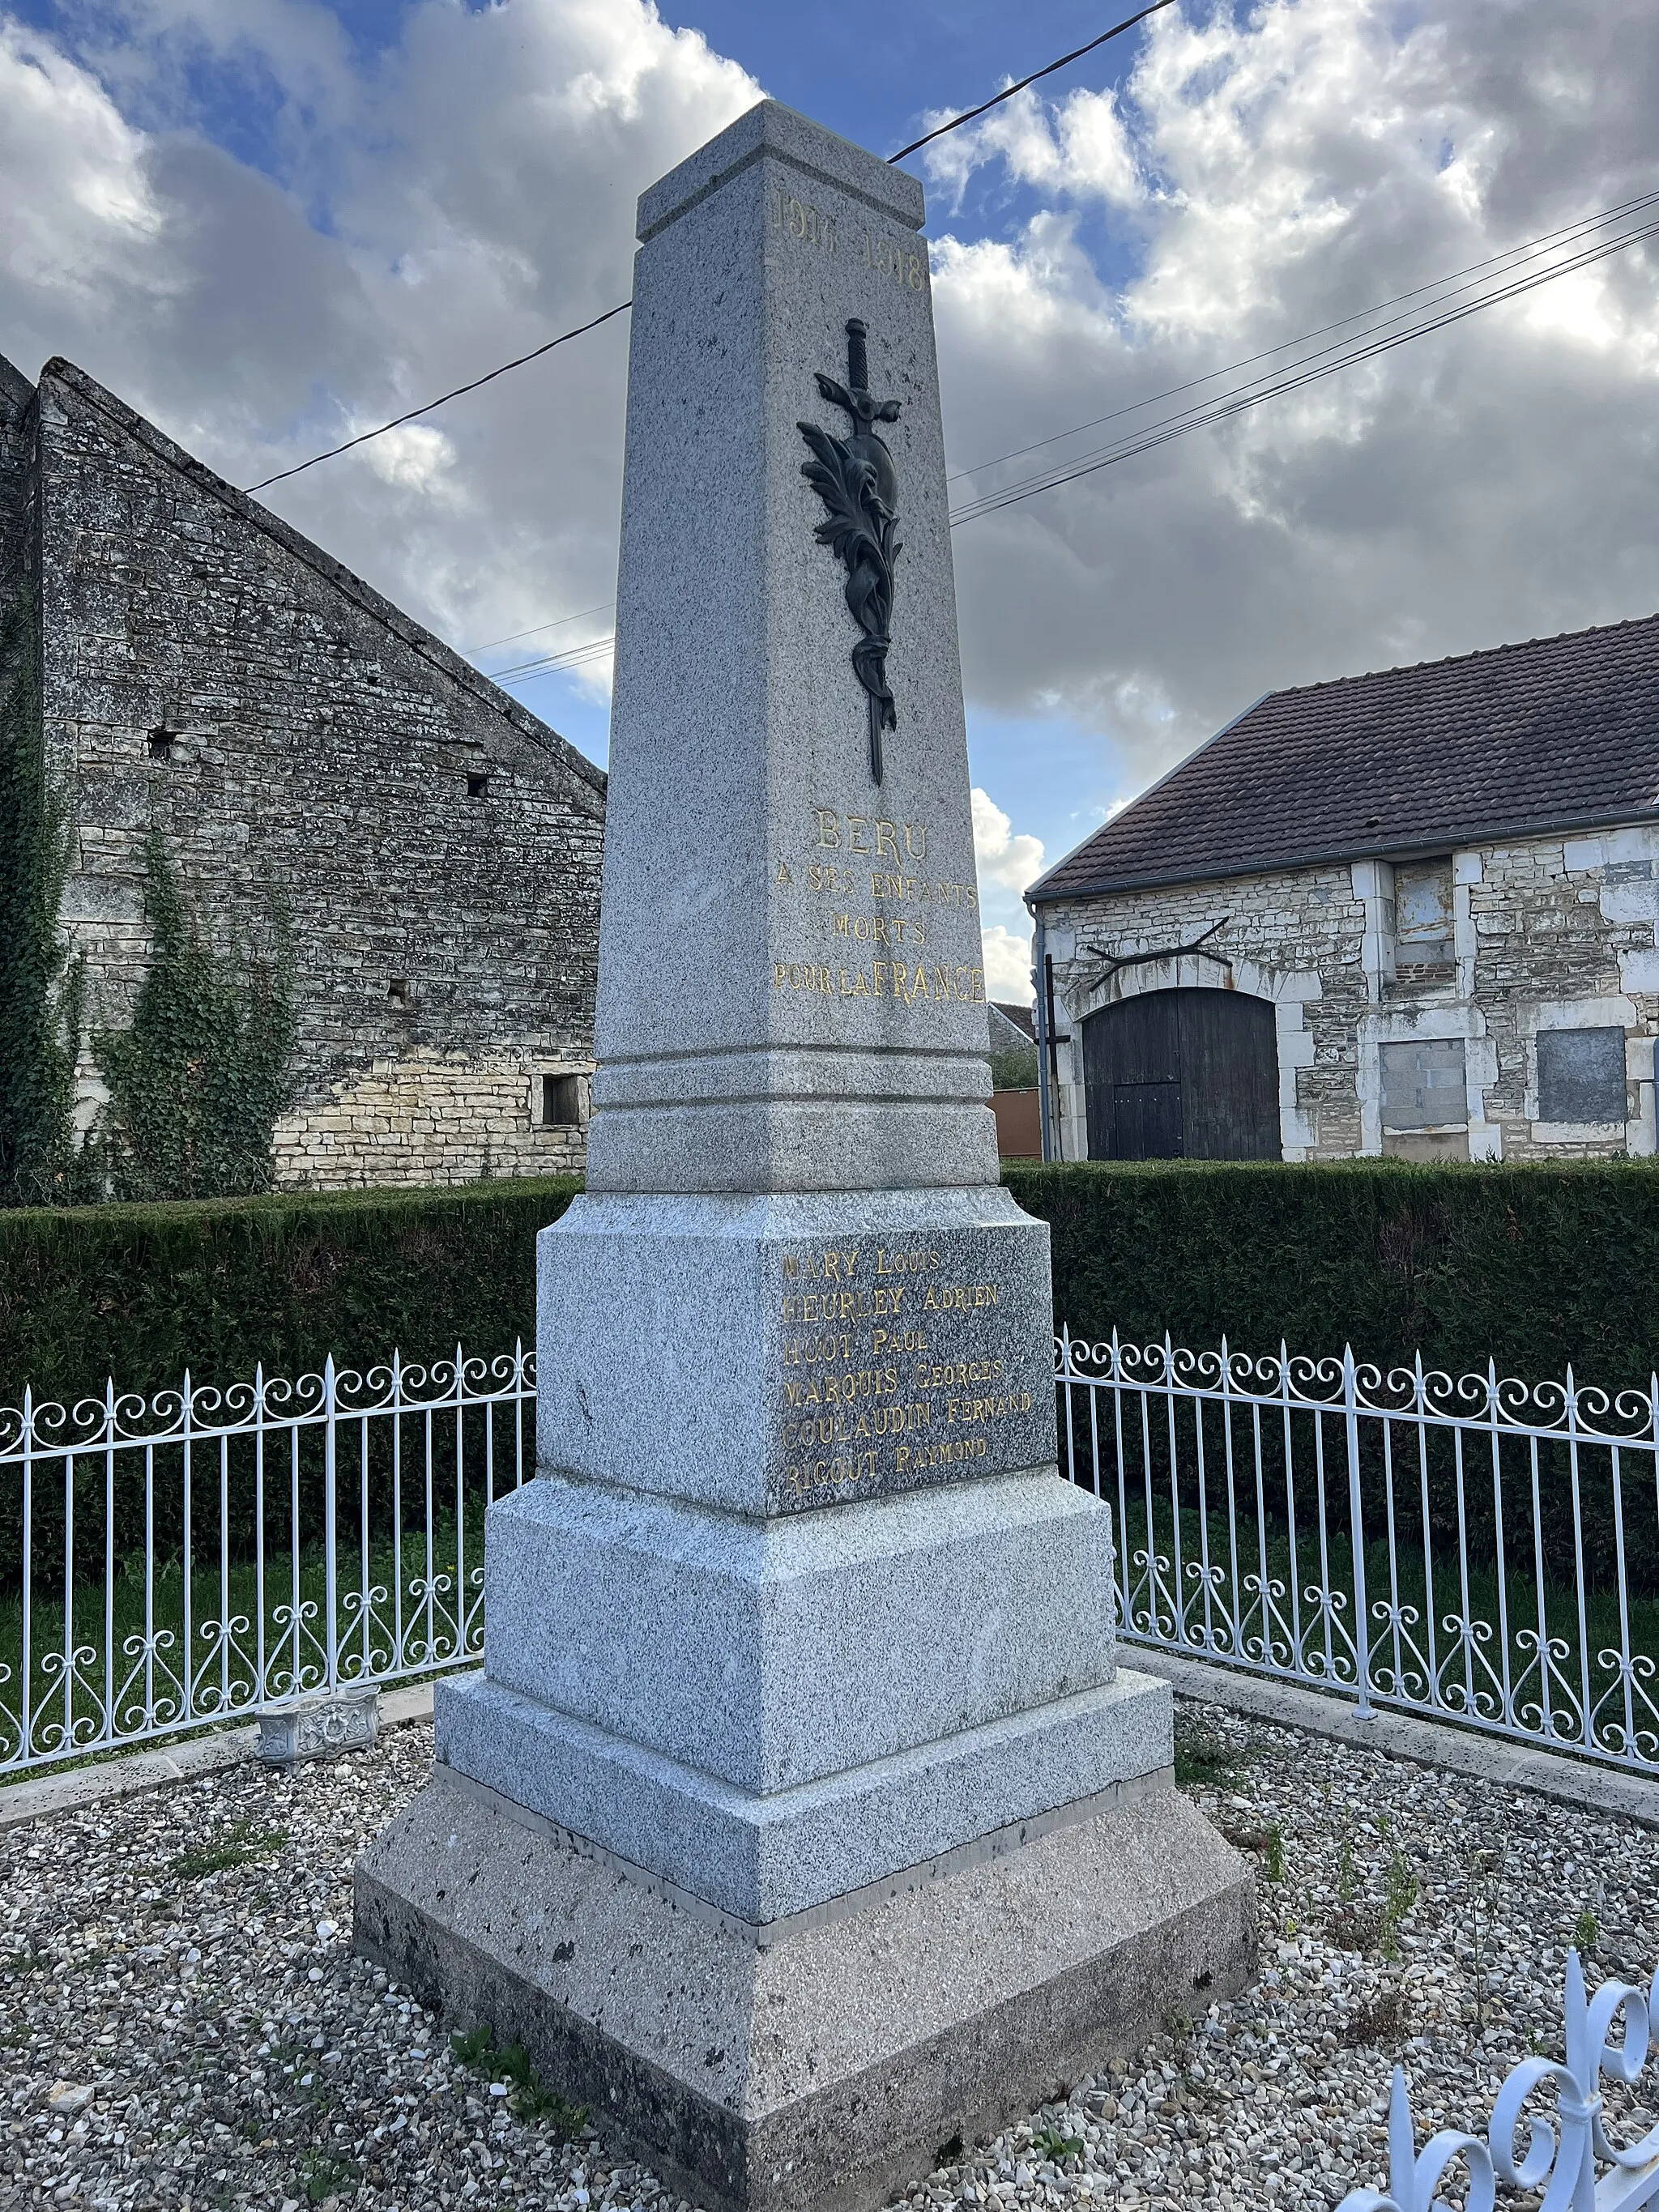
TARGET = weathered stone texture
x,y
1548,934
323,752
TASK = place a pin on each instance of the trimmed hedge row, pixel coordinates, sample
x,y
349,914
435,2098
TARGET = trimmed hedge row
x,y
1531,1266
218,1285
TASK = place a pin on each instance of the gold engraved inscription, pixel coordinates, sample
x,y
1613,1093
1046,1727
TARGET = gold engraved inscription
x,y
862,1397
882,978
865,833
799,219
906,264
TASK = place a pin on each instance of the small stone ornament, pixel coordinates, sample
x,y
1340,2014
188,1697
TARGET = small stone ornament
x,y
321,1726
856,478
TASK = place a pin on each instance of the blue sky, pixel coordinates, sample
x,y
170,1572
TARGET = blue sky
x,y
271,224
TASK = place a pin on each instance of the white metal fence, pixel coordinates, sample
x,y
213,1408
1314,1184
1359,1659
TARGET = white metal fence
x,y
178,1560
1566,2147
1478,1549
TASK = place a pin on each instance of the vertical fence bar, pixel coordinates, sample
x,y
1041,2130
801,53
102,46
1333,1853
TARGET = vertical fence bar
x,y
261,1677
186,1670
68,1597
26,1686
1500,1545
107,1734
1362,1618
331,1532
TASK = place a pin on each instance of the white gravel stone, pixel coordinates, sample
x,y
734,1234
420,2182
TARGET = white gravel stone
x,y
180,1963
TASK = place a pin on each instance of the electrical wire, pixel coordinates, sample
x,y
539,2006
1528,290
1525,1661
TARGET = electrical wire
x,y
414,413
1513,255
1275,386
536,628
1008,91
397,421
1310,369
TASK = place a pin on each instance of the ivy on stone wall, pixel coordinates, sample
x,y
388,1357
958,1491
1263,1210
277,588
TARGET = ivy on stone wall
x,y
42,990
196,1080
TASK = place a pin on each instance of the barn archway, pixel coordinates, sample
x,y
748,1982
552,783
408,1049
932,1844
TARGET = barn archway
x,y
1184,1075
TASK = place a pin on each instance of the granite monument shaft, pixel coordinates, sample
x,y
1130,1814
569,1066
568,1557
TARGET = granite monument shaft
x,y
801,1816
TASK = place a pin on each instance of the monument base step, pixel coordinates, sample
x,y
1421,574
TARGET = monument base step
x,y
822,2068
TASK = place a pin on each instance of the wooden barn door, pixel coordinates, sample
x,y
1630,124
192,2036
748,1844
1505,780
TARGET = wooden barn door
x,y
1183,1075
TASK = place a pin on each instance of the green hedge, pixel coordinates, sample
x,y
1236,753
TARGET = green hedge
x,y
1533,1266
1536,1266
143,1292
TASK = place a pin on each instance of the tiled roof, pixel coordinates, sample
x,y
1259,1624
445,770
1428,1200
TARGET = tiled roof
x,y
1561,733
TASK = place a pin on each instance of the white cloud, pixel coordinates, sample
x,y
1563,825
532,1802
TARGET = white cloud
x,y
461,196
436,211
1011,861
1007,965
1295,162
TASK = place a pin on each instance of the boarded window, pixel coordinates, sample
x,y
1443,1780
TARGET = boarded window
x,y
1422,915
1581,1075
562,1107
1424,1086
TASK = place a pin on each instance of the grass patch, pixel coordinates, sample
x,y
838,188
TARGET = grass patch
x,y
1202,1761
241,1843
322,2176
1384,2019
528,2098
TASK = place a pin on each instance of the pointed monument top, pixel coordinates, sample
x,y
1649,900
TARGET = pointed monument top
x,y
770,128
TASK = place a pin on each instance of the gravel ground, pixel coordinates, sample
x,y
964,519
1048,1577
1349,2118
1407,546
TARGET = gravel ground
x,y
186,2025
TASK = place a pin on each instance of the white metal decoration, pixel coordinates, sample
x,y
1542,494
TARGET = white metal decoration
x,y
1560,2161
1459,1547
170,1562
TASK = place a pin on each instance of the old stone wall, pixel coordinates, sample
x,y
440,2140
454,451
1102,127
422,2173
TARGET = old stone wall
x,y
306,748
16,480
1532,1038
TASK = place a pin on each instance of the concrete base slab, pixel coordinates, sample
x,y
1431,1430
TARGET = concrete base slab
x,y
822,2071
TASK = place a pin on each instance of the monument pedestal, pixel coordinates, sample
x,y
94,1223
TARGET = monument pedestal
x,y
819,2062
801,1818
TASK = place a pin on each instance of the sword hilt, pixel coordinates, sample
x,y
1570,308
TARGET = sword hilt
x,y
857,363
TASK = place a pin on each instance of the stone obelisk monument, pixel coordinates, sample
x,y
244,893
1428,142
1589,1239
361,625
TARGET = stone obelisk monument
x,y
801,1818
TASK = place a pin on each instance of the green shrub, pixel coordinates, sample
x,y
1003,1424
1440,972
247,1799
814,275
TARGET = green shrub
x,y
218,1285
1530,1266
139,1293
198,1079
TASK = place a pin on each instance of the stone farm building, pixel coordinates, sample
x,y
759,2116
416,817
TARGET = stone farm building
x,y
1411,913
204,671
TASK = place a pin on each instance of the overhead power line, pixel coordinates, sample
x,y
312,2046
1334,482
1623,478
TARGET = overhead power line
x,y
1511,255
536,628
1292,378
1309,369
1008,91
490,375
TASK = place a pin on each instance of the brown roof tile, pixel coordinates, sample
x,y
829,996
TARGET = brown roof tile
x,y
1560,734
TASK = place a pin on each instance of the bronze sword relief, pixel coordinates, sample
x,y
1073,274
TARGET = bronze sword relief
x,y
856,478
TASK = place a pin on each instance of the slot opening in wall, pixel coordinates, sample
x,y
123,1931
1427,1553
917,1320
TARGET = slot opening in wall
x,y
160,745
561,1101
397,990
478,786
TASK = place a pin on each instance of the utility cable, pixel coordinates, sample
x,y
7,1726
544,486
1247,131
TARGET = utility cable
x,y
536,628
1273,383
1299,374
1513,255
1008,91
1273,387
397,421
623,305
